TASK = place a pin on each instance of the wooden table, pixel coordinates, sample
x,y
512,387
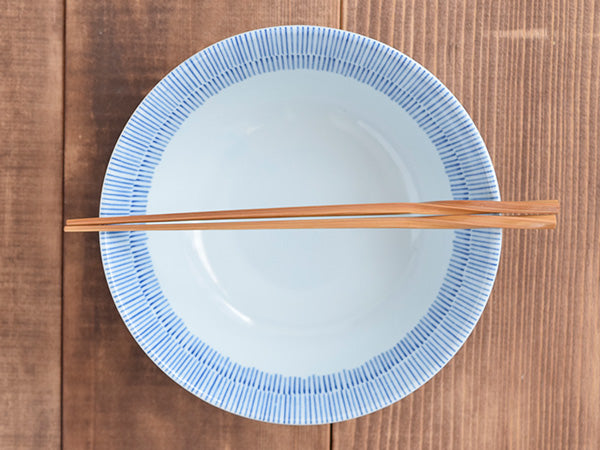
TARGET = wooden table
x,y
70,373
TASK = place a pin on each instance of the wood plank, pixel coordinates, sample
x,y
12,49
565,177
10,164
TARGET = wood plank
x,y
114,396
527,73
31,101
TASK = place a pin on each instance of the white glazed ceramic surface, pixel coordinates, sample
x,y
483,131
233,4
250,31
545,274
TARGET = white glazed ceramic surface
x,y
295,319
298,302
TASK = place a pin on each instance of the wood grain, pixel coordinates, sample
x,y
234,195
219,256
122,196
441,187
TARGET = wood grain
x,y
114,396
527,72
31,210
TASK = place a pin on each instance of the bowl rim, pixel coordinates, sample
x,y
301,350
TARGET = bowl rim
x,y
316,399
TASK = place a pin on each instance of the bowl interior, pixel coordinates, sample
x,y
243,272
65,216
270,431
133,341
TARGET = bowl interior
x,y
299,302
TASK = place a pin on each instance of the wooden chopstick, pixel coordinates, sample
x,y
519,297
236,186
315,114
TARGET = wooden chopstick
x,y
449,207
429,222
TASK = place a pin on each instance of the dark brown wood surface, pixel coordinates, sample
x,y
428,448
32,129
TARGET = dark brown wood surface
x,y
526,71
529,375
31,119
113,395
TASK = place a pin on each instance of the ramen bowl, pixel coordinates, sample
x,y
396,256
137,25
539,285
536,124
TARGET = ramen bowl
x,y
298,326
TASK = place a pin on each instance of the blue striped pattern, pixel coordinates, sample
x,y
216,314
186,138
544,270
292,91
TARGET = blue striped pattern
x,y
246,391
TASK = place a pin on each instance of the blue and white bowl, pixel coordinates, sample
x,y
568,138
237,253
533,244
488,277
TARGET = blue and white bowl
x,y
298,326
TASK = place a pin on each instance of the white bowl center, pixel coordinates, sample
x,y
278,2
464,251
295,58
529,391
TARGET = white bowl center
x,y
298,302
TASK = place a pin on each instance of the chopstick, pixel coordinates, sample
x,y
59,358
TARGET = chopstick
x,y
428,222
448,207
